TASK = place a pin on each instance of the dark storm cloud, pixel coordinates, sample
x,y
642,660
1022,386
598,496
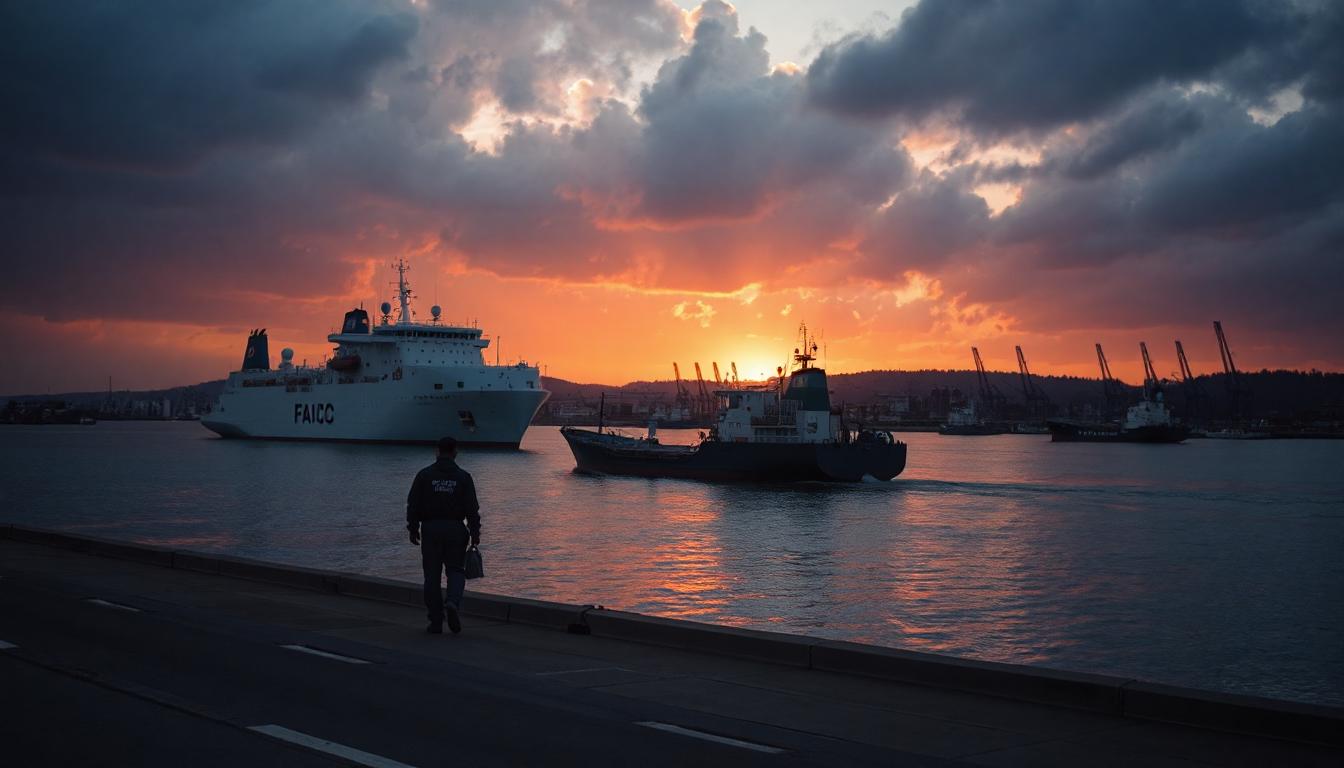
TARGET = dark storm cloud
x,y
724,137
1005,65
158,83
193,162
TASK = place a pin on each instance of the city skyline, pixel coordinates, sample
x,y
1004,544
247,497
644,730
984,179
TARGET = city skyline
x,y
609,188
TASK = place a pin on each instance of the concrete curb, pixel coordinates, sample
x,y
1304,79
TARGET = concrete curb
x,y
1098,693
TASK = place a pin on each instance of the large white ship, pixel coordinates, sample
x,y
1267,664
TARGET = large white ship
x,y
398,382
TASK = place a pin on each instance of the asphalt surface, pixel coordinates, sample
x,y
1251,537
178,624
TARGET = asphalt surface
x,y
91,683
111,662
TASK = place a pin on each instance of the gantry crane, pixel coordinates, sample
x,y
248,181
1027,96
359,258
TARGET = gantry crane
x,y
704,405
1111,388
1037,402
1152,385
1194,391
1231,377
683,395
991,399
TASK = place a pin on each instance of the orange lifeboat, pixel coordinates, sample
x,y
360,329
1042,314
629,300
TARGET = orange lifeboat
x,y
344,363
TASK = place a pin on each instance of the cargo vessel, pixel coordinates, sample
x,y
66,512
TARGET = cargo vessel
x,y
399,381
1148,421
783,432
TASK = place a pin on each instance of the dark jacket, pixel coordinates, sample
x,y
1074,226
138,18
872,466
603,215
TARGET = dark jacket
x,y
443,491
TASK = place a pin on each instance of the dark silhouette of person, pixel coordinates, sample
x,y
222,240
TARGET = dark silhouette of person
x,y
443,516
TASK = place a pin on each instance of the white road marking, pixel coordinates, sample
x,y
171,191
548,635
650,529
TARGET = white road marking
x,y
711,737
6,646
329,747
589,669
325,654
118,606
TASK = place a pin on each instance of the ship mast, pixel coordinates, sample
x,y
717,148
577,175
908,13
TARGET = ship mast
x,y
808,351
403,291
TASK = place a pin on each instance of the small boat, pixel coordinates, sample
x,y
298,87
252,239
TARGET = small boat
x,y
786,431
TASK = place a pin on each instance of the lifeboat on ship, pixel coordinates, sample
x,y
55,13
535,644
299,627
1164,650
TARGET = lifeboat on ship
x,y
344,363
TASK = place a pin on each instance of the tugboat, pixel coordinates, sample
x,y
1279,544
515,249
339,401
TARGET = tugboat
x,y
1147,421
783,432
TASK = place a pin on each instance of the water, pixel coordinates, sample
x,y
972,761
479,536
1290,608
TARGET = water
x,y
1214,564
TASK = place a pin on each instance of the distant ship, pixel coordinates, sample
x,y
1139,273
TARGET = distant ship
x,y
1147,421
963,421
778,433
399,381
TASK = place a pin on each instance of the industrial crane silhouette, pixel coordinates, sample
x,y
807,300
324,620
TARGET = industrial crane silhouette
x,y
1038,404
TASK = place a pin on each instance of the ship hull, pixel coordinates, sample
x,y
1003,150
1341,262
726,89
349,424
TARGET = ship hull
x,y
1072,432
730,462
385,412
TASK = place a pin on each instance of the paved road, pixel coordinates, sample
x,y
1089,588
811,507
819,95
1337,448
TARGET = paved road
x,y
90,681
111,662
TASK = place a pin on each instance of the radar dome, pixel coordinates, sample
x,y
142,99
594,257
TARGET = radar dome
x,y
286,354
436,310
386,308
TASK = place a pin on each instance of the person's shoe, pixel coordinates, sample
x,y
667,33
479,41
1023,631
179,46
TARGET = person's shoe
x,y
435,628
454,621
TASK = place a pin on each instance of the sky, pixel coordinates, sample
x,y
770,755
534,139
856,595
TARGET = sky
x,y
608,186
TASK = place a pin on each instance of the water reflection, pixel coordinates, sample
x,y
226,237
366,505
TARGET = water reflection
x,y
1214,565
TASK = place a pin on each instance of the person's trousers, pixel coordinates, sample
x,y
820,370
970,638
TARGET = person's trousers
x,y
443,547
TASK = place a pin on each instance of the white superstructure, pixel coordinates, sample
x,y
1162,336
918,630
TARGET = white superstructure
x,y
397,381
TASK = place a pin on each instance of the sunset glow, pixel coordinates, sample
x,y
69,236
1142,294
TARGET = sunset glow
x,y
609,196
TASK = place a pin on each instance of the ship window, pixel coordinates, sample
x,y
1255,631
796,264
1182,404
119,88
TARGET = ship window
x,y
468,420
438,385
460,385
529,385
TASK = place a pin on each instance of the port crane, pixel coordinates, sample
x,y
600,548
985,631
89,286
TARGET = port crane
x,y
1194,392
1037,401
1111,387
705,401
718,380
735,379
1151,384
991,399
1231,377
683,395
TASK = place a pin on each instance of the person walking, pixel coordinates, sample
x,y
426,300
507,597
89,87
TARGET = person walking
x,y
442,515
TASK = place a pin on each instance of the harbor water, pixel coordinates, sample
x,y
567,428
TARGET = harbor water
x,y
1213,564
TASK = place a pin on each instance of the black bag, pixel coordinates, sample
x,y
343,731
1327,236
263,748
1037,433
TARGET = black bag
x,y
472,564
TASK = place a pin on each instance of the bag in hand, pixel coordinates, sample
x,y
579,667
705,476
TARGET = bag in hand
x,y
473,565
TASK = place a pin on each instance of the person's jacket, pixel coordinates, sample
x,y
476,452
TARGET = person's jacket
x,y
443,491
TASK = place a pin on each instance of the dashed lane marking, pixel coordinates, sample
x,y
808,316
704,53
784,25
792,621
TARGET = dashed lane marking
x,y
325,654
329,747
714,737
577,671
109,604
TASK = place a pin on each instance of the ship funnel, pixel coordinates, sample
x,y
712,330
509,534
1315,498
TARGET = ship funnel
x,y
258,355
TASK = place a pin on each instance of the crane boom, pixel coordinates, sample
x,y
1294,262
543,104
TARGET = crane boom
x,y
717,379
1026,375
735,379
1149,374
1186,375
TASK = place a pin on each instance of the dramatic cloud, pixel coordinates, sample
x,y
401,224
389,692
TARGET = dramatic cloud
x,y
979,169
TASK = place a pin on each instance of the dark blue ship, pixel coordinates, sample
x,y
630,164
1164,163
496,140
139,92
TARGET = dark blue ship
x,y
782,432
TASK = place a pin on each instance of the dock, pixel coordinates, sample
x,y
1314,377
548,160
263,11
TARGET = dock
x,y
114,653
